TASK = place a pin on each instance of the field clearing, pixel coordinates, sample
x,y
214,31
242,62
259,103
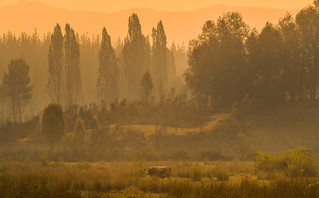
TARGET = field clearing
x,y
149,129
127,179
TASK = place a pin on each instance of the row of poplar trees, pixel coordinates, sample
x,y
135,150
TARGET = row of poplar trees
x,y
64,67
229,63
114,73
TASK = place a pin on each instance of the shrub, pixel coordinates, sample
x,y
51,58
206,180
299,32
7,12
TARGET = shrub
x,y
221,174
79,132
195,174
265,162
44,160
297,163
53,124
300,162
95,123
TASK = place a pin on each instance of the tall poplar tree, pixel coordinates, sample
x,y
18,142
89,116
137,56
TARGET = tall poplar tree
x,y
108,76
159,60
134,57
171,65
71,67
55,86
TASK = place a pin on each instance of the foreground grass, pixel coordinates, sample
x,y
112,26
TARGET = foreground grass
x,y
127,179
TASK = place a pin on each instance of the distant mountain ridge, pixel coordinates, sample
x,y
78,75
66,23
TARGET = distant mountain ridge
x,y
180,26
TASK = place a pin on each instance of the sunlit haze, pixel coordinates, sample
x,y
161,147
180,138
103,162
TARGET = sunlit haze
x,y
167,5
159,98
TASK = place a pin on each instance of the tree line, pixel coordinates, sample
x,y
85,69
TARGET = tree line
x,y
78,70
229,64
233,64
136,58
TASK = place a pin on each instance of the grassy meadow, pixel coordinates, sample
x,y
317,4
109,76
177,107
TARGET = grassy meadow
x,y
127,179
236,154
234,112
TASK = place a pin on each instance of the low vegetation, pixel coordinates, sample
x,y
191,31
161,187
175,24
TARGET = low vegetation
x,y
297,163
127,179
243,91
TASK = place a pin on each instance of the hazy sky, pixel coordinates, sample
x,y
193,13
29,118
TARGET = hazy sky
x,y
117,5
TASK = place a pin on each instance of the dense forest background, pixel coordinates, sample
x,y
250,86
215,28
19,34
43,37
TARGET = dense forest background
x,y
105,85
34,50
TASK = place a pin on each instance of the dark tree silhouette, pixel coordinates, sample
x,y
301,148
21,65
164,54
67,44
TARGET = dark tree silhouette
x,y
16,86
72,67
146,85
108,72
217,74
134,57
159,61
53,124
79,132
55,87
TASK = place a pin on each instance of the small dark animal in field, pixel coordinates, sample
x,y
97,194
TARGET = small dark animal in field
x,y
159,171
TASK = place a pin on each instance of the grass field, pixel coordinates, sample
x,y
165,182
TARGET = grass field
x,y
110,170
127,179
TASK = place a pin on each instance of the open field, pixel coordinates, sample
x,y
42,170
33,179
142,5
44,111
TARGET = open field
x,y
210,125
232,112
224,136
206,161
127,179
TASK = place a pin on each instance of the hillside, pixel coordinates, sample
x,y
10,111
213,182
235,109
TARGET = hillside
x,y
180,26
225,136
284,127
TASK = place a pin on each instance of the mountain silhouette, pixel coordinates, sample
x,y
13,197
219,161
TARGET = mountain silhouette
x,y
180,26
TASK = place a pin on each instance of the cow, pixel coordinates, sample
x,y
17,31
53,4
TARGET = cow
x,y
159,171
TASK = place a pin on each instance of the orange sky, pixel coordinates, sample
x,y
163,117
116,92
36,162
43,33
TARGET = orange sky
x,y
176,5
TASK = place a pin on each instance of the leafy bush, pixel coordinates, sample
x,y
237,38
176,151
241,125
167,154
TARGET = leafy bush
x,y
300,163
267,162
195,174
95,123
297,163
44,160
79,132
221,174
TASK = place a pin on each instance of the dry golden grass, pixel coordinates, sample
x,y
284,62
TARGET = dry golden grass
x,y
148,130
127,179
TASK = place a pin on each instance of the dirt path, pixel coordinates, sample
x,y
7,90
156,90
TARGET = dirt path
x,y
150,129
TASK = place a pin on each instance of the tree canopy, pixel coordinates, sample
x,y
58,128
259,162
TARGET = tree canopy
x,y
53,124
108,72
16,86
